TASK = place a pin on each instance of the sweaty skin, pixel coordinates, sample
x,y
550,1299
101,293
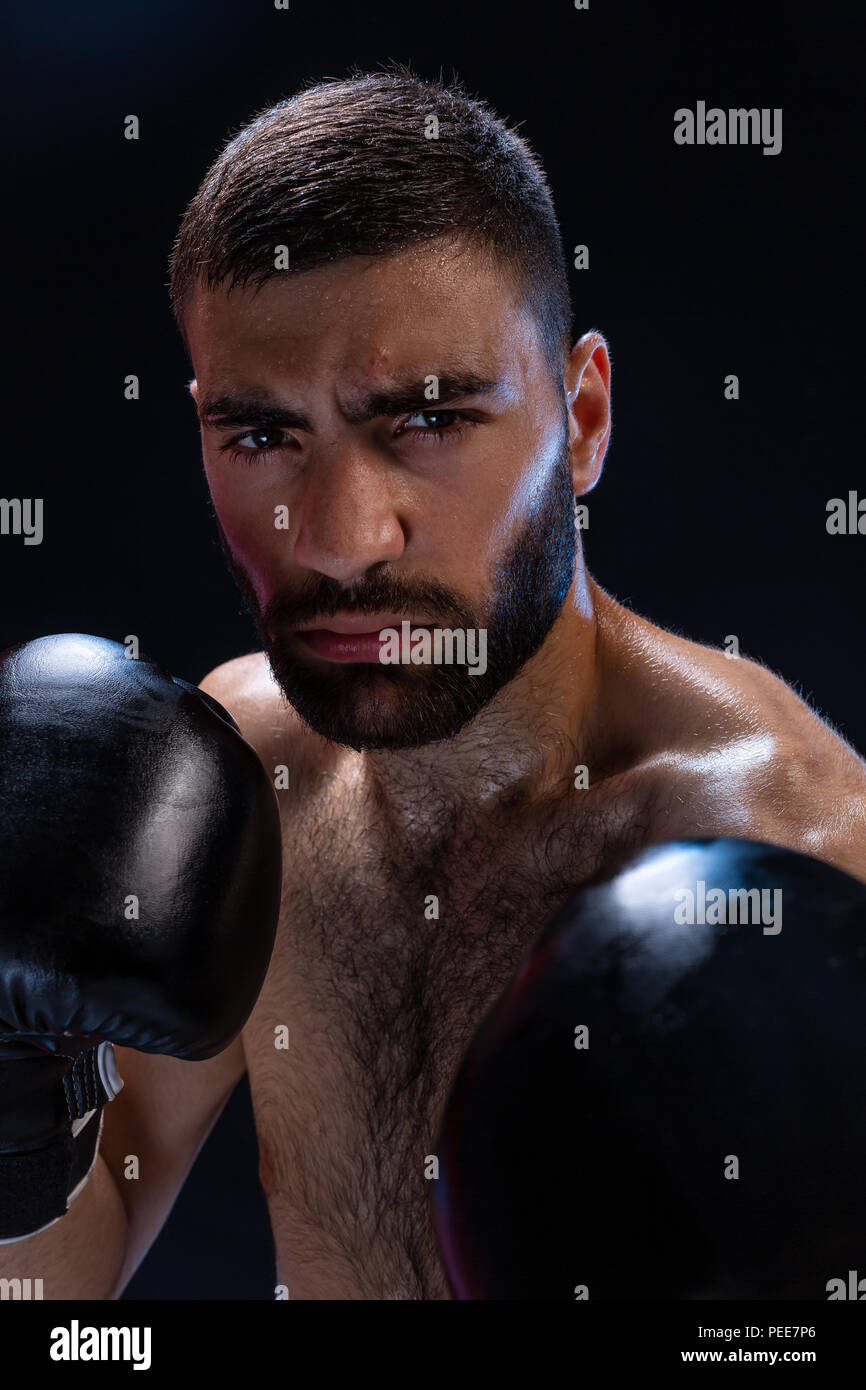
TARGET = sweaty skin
x,y
415,877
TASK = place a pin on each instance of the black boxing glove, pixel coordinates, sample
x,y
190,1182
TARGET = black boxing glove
x,y
140,873
703,1005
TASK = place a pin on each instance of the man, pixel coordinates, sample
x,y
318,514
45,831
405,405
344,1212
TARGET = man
x,y
395,427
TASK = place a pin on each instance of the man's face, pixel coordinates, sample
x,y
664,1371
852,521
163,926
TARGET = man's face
x,y
351,498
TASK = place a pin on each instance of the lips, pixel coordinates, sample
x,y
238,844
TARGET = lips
x,y
353,637
362,622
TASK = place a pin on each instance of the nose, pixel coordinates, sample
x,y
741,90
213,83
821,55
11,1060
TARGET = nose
x,y
348,516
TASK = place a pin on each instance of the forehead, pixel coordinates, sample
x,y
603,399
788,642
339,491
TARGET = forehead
x,y
367,315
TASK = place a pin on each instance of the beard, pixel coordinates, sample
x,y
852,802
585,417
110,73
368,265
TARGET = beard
x,y
367,706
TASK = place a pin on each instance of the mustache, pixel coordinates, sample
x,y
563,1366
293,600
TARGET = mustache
x,y
322,597
319,596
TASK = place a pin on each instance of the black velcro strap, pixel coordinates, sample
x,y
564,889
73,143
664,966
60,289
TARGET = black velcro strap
x,y
34,1187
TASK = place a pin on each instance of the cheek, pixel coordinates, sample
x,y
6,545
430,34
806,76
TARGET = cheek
x,y
480,523
250,510
465,538
479,510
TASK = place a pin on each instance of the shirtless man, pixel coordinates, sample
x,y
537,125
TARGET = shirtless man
x,y
350,498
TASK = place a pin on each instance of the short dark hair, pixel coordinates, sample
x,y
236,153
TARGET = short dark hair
x,y
343,168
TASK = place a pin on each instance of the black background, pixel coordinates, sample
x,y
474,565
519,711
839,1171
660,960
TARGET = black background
x,y
710,517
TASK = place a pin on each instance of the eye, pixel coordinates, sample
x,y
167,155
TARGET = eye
x,y
436,424
262,441
256,444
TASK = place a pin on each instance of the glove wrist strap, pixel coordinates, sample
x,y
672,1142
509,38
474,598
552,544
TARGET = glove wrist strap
x,y
46,1164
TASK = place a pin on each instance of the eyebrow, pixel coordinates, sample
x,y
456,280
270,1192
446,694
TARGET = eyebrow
x,y
405,396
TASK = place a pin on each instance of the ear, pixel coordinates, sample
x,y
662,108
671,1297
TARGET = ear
x,y
587,388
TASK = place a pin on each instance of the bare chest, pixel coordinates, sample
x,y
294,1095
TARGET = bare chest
x,y
388,956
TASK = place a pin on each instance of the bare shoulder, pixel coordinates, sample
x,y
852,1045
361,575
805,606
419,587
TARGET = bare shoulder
x,y
732,749
246,687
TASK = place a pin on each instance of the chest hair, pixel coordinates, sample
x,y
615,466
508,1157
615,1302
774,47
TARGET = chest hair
x,y
395,946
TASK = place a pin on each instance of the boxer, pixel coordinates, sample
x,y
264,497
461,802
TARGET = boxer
x,y
395,425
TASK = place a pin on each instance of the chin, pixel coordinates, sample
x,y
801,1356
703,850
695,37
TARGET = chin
x,y
386,708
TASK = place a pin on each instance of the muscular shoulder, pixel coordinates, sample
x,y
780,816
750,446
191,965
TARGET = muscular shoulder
x,y
735,751
247,689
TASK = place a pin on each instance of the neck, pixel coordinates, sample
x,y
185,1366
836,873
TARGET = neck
x,y
522,747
